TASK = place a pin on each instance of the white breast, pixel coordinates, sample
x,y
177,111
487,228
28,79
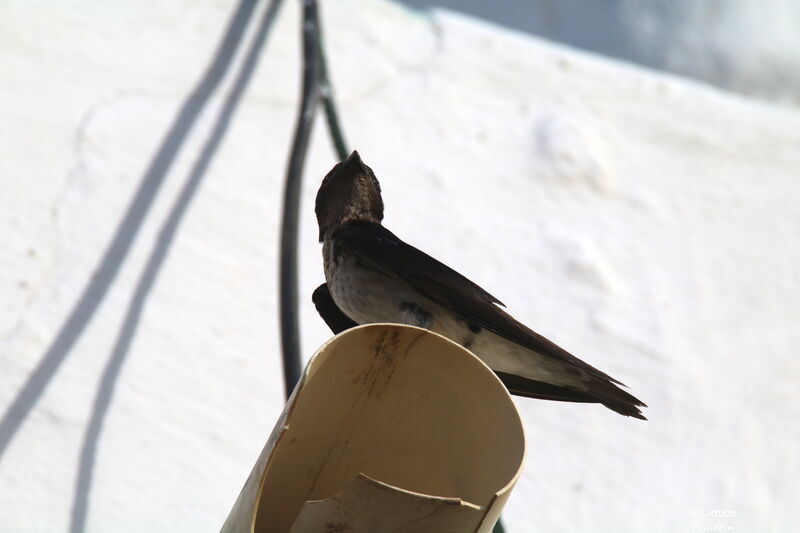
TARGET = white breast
x,y
363,294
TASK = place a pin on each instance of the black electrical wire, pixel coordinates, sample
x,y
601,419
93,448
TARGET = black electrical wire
x,y
328,103
290,324
316,87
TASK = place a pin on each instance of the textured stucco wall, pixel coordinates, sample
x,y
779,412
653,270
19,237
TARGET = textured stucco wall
x,y
646,223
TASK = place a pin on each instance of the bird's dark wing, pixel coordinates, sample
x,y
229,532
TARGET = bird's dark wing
x,y
531,388
329,311
517,385
374,245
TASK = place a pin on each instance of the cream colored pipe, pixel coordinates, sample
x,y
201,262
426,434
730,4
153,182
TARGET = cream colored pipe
x,y
391,428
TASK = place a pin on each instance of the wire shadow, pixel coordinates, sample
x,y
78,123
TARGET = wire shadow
x,y
145,284
92,296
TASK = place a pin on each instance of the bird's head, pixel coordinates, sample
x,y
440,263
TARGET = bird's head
x,y
350,191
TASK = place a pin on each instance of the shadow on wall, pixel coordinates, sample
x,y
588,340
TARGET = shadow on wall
x,y
87,305
719,42
156,259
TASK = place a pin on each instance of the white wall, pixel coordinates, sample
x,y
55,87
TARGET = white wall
x,y
646,223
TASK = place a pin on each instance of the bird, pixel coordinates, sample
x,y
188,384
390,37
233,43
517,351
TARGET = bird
x,y
371,275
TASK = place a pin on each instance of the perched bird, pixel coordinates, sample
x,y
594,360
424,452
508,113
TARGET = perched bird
x,y
373,276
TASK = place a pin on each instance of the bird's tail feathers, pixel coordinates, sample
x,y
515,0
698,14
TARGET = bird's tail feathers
x,y
597,390
615,398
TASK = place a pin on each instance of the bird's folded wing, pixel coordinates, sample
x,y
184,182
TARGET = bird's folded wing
x,y
329,311
376,247
517,385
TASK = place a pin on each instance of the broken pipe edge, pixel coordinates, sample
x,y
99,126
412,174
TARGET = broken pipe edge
x,y
389,424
